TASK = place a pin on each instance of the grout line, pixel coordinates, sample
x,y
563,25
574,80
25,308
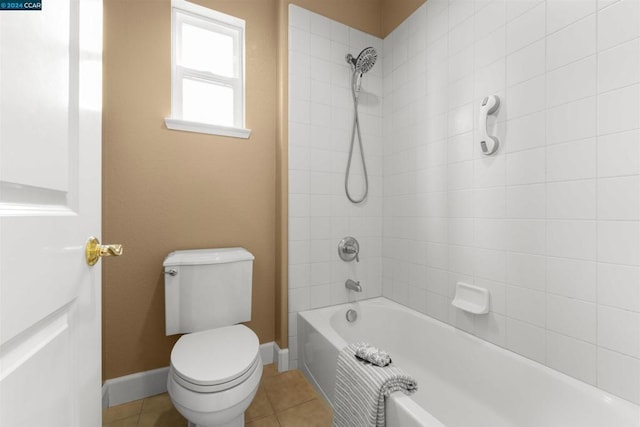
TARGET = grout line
x,y
597,202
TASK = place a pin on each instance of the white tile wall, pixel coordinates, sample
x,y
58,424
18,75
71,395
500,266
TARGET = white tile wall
x,y
320,119
550,224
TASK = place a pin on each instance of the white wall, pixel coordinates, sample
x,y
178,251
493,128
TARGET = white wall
x,y
550,224
320,123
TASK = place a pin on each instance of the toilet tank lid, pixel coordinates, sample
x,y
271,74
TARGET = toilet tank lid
x,y
207,256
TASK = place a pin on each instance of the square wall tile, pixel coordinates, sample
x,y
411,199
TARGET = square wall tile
x,y
299,17
571,43
619,154
526,339
526,63
526,305
572,160
490,264
573,357
489,233
571,82
572,278
517,8
619,66
619,110
618,24
526,201
573,121
489,79
619,198
528,271
619,330
574,318
490,47
619,242
488,203
571,199
571,239
561,13
489,171
526,98
526,236
526,28
526,167
619,374
618,286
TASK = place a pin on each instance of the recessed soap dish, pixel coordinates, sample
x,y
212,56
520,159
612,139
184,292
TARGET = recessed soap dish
x,y
471,298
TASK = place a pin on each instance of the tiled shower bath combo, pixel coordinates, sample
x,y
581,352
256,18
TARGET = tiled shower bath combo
x,y
549,224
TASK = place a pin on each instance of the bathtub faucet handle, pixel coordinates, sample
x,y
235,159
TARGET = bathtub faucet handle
x,y
352,250
349,249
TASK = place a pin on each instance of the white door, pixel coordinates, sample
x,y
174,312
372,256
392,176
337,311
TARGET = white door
x,y
50,166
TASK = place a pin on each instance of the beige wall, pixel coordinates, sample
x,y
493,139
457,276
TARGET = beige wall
x,y
377,17
365,15
165,190
395,11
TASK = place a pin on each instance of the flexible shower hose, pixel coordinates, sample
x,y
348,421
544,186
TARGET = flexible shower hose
x,y
355,90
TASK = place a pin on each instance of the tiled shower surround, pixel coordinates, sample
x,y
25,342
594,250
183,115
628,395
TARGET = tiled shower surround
x,y
550,224
320,123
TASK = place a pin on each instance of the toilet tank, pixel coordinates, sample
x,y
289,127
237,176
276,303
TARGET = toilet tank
x,y
207,288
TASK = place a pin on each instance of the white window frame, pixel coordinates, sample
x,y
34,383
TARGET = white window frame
x,y
183,12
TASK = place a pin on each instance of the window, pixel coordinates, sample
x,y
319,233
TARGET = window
x,y
207,76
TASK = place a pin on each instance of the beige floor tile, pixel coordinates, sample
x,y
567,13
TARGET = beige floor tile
x,y
162,418
159,402
124,422
260,407
269,371
119,412
314,413
288,389
286,394
270,421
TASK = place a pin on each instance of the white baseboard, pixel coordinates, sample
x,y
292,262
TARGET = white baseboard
x,y
266,352
128,388
136,386
281,357
105,396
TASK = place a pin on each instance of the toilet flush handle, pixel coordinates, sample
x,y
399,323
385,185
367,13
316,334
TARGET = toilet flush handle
x,y
171,272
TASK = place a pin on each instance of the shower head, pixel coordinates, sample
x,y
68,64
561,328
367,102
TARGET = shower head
x,y
365,60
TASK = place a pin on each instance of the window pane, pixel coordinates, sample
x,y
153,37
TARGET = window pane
x,y
207,103
206,50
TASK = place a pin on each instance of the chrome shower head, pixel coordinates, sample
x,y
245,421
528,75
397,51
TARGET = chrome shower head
x,y
365,60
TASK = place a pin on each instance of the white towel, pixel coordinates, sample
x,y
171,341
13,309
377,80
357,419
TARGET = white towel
x,y
361,388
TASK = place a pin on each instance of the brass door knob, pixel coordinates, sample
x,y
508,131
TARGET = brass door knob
x,y
94,250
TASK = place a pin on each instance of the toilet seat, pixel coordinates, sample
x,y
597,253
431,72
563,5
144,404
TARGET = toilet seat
x,y
215,360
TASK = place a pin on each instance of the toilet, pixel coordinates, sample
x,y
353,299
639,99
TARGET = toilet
x,y
216,367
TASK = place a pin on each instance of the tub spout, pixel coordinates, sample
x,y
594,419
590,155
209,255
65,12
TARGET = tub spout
x,y
354,286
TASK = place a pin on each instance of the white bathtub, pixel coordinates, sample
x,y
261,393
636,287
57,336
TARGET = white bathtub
x,y
462,380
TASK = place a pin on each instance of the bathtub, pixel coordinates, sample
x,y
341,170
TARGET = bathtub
x,y
462,380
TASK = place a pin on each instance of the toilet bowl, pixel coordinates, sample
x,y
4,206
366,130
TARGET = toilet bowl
x,y
214,375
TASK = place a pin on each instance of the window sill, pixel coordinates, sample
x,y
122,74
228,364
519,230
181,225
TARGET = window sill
x,y
183,125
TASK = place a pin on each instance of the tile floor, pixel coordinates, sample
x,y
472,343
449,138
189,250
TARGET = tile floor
x,y
283,400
